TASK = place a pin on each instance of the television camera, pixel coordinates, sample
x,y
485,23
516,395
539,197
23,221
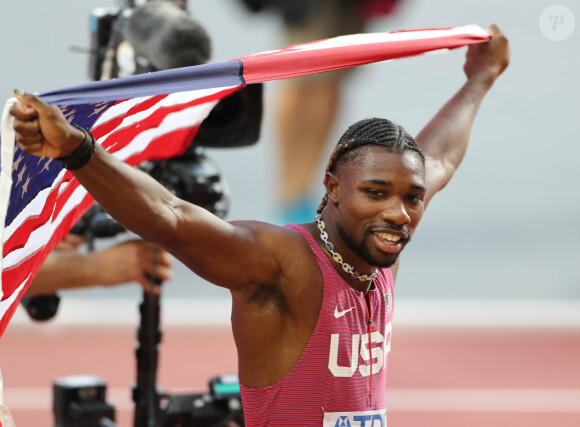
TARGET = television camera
x,y
130,40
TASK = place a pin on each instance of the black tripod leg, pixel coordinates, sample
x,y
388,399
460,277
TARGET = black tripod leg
x,y
145,394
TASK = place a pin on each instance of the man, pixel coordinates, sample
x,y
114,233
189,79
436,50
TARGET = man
x,y
312,303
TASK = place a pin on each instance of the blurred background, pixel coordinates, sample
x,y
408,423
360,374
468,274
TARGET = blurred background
x,y
498,247
505,227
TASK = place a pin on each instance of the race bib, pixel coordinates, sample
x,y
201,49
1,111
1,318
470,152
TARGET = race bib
x,y
356,419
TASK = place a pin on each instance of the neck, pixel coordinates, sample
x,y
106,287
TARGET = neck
x,y
360,280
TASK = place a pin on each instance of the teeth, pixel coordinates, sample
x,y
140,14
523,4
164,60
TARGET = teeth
x,y
389,237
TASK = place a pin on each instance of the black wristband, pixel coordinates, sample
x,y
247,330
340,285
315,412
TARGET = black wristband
x,y
84,152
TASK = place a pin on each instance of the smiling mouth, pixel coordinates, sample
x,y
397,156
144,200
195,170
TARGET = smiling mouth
x,y
388,238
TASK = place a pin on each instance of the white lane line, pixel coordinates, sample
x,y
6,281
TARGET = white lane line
x,y
555,314
398,399
483,400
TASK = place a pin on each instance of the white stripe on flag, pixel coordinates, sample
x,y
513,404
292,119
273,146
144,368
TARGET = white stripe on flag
x,y
370,38
35,207
5,305
170,100
41,236
174,121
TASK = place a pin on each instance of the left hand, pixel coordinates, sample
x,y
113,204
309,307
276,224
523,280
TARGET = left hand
x,y
487,61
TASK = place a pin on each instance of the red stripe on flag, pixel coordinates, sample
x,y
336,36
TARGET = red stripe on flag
x,y
157,117
13,277
113,122
53,204
157,147
303,59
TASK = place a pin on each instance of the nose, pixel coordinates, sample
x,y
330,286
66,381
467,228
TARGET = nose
x,y
395,212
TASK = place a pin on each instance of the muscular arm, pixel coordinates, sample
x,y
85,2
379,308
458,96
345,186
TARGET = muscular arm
x,y
230,255
445,138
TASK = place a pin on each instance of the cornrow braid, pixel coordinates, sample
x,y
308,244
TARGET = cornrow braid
x,y
374,131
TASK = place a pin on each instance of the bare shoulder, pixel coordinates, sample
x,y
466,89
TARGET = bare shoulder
x,y
279,240
293,256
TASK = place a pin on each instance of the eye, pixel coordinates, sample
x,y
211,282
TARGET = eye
x,y
415,198
374,193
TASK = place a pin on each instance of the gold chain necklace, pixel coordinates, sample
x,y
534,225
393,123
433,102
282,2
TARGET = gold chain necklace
x,y
338,258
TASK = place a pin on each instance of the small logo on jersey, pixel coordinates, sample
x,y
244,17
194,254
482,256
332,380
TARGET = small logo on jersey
x,y
342,422
339,314
388,302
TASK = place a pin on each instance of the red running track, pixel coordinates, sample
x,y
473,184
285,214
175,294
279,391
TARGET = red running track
x,y
437,377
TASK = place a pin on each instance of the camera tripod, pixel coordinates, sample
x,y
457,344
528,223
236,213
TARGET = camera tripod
x,y
81,402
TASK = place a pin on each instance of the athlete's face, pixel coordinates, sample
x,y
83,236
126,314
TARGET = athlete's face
x,y
380,203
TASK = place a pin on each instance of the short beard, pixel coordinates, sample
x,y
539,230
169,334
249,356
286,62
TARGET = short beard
x,y
362,251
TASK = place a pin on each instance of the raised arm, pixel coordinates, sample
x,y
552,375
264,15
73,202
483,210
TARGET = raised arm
x,y
445,138
225,254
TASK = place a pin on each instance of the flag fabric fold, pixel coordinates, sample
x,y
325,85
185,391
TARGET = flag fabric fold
x,y
155,116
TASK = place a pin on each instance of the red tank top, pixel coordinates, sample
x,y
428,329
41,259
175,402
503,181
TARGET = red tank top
x,y
340,378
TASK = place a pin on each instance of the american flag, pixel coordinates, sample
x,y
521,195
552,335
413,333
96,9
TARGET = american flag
x,y
155,116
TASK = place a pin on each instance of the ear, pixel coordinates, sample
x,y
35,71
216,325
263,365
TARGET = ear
x,y
332,185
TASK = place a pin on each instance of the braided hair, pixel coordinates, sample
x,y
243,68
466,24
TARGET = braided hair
x,y
375,131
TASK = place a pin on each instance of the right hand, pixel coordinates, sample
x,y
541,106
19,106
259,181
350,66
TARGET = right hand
x,y
41,129
70,243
